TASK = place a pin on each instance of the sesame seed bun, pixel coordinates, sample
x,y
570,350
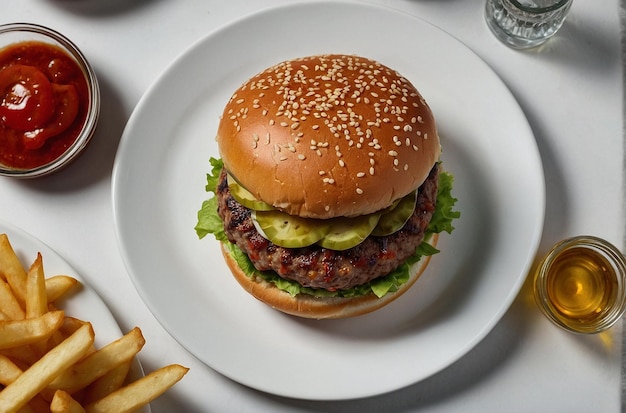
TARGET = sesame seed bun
x,y
307,306
330,135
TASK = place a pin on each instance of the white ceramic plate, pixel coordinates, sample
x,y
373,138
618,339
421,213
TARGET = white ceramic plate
x,y
159,179
85,304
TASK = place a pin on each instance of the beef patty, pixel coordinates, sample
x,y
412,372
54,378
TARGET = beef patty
x,y
318,267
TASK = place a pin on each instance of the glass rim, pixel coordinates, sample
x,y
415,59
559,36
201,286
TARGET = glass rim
x,y
539,10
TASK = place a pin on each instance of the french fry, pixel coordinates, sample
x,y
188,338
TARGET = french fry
x,y
28,331
59,285
100,362
11,269
69,326
36,300
9,371
140,392
23,356
107,384
33,380
9,305
62,402
48,362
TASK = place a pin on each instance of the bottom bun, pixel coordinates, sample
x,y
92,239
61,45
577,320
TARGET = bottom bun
x,y
308,306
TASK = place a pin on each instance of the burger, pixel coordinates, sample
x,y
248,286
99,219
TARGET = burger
x,y
329,193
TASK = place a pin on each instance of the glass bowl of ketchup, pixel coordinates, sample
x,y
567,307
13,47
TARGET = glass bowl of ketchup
x,y
49,101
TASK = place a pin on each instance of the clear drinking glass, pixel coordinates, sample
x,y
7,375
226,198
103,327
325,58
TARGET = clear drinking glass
x,y
580,284
523,24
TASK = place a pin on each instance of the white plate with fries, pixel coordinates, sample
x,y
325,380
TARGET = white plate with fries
x,y
159,180
61,350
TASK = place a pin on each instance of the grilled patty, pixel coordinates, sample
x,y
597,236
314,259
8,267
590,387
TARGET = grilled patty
x,y
318,267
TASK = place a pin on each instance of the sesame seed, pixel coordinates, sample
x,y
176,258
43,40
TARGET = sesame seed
x,y
359,191
360,175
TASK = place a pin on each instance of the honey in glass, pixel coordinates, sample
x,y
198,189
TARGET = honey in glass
x,y
580,284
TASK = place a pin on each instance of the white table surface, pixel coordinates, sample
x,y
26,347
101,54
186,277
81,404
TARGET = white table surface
x,y
570,91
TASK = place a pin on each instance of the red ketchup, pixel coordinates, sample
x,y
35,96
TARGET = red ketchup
x,y
44,100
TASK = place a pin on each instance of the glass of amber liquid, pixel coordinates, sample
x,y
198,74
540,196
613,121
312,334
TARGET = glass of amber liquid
x,y
581,284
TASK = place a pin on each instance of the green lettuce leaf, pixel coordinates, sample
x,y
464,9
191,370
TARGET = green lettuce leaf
x,y
444,213
209,222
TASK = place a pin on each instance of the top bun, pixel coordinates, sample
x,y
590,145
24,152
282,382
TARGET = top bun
x,y
329,135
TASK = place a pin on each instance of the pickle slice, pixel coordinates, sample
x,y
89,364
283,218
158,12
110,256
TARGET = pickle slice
x,y
346,233
289,231
245,197
394,219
